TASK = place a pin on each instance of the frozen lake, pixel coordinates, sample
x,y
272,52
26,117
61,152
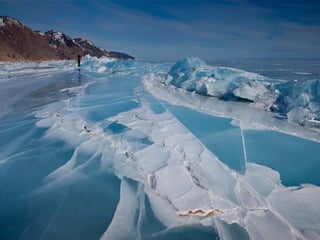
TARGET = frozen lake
x,y
132,150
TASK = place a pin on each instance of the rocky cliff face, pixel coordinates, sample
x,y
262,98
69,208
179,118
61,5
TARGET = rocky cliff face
x,y
20,43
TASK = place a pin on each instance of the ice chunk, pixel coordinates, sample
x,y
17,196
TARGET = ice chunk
x,y
300,115
194,74
187,70
299,100
251,91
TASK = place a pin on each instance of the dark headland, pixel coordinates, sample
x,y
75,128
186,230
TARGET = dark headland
x,y
18,42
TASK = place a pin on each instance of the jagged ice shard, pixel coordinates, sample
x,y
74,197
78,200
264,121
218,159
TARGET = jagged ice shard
x,y
132,150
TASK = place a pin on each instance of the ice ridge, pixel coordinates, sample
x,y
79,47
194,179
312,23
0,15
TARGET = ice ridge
x,y
297,101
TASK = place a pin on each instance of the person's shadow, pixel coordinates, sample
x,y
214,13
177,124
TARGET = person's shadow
x,y
79,77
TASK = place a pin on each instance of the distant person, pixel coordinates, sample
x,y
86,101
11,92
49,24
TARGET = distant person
x,y
79,60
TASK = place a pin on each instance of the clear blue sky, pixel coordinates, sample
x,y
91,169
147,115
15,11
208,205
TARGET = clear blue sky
x,y
174,29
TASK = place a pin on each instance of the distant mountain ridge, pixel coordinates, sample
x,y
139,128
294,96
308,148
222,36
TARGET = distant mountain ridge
x,y
20,43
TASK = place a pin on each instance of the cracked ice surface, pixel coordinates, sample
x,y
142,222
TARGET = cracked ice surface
x,y
113,159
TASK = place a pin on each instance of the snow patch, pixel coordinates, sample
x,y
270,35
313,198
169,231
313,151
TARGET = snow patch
x,y
2,22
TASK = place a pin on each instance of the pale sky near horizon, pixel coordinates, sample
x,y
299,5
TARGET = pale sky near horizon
x,y
173,29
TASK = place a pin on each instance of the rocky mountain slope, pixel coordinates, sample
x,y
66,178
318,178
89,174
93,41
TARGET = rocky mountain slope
x,y
20,43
